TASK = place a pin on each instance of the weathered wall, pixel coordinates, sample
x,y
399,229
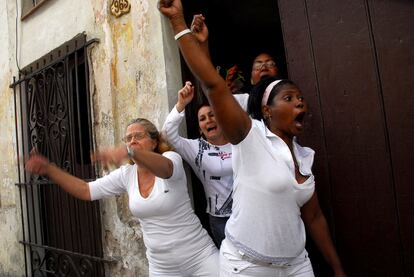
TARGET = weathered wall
x,y
130,70
133,62
53,24
11,252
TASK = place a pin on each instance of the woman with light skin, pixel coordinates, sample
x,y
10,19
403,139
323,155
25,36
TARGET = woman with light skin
x,y
209,156
176,243
274,195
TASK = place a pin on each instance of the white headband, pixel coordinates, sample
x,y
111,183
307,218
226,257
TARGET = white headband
x,y
266,94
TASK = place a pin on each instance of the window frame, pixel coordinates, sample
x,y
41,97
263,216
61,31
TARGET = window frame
x,y
30,6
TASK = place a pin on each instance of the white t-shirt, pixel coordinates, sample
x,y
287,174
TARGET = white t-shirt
x,y
266,224
211,163
172,232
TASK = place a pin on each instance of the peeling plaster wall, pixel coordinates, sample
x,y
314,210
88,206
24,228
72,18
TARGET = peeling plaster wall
x,y
11,251
139,68
134,70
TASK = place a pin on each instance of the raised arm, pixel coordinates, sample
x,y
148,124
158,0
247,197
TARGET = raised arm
x,y
318,228
185,96
175,117
200,31
39,165
231,117
159,165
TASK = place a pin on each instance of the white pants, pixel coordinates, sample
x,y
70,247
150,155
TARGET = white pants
x,y
233,264
207,268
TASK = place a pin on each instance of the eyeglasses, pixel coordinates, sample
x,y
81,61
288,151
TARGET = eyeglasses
x,y
259,65
135,136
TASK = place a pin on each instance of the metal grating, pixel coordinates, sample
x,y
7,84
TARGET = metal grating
x,y
61,234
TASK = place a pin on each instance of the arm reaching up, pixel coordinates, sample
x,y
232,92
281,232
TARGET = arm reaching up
x,y
184,146
200,31
199,28
235,124
185,96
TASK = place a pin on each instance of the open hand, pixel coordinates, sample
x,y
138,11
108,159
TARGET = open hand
x,y
199,28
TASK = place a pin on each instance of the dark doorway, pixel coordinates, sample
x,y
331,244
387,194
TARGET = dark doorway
x,y
239,30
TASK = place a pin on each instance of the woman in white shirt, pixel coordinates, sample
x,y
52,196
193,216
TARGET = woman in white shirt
x,y
209,156
177,245
274,193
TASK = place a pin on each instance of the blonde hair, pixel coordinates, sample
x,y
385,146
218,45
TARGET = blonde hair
x,y
162,144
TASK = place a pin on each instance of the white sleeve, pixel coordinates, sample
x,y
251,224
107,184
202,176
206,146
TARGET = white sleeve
x,y
178,169
242,99
186,147
109,185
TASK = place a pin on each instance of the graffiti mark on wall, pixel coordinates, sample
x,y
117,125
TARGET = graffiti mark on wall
x,y
107,121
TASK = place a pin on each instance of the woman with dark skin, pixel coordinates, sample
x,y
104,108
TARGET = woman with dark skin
x,y
274,192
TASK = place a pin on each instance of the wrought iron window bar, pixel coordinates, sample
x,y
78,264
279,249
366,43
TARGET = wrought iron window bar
x,y
52,238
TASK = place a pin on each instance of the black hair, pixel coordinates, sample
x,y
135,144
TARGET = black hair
x,y
202,104
254,105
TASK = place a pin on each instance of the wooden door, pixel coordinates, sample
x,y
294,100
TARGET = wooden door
x,y
354,61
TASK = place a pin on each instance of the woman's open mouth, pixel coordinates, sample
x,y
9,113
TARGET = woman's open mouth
x,y
211,128
300,120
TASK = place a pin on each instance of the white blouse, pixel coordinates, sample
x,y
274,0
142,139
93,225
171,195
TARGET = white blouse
x,y
211,163
266,223
172,232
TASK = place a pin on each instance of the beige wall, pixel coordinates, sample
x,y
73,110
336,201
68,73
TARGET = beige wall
x,y
11,251
134,72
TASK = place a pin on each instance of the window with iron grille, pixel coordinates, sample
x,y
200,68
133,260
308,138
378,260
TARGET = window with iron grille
x,y
61,235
